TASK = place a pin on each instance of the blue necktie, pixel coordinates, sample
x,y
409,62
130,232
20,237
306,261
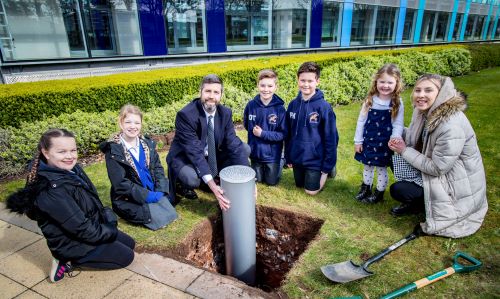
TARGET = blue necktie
x,y
212,159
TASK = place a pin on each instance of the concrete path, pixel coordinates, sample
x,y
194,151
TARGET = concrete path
x,y
25,262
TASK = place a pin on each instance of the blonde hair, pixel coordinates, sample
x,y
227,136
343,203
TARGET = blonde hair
x,y
436,79
267,74
393,71
128,109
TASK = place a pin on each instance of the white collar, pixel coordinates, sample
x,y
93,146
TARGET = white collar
x,y
128,146
381,102
209,114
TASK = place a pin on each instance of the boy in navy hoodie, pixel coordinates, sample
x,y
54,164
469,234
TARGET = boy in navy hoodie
x,y
312,138
264,119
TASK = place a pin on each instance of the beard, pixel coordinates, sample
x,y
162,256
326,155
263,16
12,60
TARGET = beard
x,y
210,108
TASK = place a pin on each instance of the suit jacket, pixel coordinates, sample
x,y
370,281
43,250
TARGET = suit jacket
x,y
188,147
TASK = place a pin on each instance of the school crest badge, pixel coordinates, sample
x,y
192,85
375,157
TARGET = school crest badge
x,y
272,119
313,118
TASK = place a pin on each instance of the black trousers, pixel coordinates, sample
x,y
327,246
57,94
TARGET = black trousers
x,y
408,192
114,255
268,173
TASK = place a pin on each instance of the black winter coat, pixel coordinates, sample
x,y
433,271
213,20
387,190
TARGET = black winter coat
x,y
68,211
128,196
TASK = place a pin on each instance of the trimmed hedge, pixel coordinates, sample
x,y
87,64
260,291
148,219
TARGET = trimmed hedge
x,y
484,56
342,82
149,89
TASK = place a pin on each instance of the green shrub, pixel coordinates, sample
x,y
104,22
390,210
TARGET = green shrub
x,y
149,89
342,82
484,56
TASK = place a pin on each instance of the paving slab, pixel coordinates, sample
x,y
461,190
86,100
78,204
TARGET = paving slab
x,y
29,294
89,284
28,266
138,286
10,288
18,220
165,270
210,285
15,238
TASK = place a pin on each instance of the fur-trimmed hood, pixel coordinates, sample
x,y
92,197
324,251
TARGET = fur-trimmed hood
x,y
442,111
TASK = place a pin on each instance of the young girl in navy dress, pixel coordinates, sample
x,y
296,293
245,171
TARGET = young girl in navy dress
x,y
380,119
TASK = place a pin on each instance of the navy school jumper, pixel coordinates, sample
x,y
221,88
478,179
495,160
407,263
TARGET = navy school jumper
x,y
312,136
271,119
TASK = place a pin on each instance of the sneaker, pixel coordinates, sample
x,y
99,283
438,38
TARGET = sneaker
x,y
58,269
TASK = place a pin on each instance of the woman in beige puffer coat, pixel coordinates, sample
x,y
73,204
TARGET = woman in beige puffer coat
x,y
441,143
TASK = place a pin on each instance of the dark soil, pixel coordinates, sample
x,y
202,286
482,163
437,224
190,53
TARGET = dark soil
x,y
282,236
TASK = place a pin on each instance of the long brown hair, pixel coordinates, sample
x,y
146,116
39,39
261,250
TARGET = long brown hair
x,y
393,71
44,144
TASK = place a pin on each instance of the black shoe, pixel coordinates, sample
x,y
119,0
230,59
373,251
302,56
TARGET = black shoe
x,y
364,191
377,196
187,193
404,209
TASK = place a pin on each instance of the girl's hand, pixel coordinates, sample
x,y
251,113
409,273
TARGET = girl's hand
x,y
358,148
397,145
257,131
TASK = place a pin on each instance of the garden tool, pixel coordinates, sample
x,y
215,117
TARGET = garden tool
x,y
456,268
348,271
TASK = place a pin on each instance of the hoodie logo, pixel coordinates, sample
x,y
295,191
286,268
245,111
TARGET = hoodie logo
x,y
313,118
272,119
251,117
292,115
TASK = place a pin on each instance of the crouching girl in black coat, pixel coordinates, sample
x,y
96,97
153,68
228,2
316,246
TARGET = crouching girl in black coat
x,y
64,202
139,189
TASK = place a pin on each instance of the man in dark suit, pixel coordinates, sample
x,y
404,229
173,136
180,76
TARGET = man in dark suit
x,y
205,142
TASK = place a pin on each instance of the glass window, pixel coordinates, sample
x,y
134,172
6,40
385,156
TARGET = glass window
x,y
247,25
470,27
290,25
363,24
497,31
332,24
441,32
428,26
51,27
373,24
385,28
112,27
409,26
490,28
186,26
458,26
478,30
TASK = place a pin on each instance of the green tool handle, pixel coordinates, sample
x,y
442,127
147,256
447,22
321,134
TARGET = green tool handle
x,y
420,283
456,268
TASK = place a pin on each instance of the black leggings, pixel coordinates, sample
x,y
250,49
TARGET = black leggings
x,y
408,193
114,255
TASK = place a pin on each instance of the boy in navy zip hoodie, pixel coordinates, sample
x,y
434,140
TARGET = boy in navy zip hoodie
x,y
264,119
312,138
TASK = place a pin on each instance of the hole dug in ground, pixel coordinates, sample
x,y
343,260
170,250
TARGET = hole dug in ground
x,y
282,236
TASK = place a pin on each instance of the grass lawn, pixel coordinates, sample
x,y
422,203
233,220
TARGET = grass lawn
x,y
352,229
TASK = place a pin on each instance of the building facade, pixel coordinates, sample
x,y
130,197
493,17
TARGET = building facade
x,y
56,30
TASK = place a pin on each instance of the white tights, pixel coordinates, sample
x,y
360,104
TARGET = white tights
x,y
382,177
